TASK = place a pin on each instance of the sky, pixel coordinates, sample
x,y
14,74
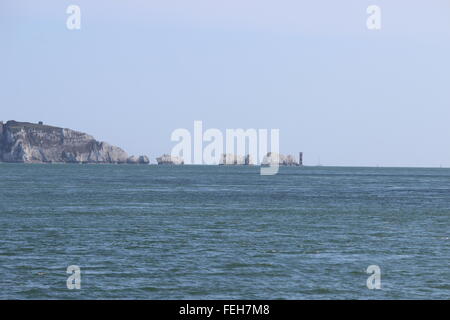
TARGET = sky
x,y
139,69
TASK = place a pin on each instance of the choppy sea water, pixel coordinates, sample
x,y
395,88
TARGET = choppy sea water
x,y
215,232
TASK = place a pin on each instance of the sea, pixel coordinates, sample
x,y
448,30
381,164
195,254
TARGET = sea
x,y
223,232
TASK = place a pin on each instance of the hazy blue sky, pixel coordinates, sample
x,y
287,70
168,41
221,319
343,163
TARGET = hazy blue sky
x,y
137,70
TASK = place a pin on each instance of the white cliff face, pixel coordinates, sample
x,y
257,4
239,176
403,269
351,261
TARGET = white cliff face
x,y
273,158
138,160
168,159
35,143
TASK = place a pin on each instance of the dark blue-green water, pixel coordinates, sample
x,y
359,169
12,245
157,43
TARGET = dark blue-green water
x,y
210,232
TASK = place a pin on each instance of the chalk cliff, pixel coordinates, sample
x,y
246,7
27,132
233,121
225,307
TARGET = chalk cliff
x,y
39,143
272,158
168,159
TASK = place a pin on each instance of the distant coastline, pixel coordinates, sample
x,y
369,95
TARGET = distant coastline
x,y
24,142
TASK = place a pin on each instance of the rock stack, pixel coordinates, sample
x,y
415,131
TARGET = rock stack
x,y
167,159
273,158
